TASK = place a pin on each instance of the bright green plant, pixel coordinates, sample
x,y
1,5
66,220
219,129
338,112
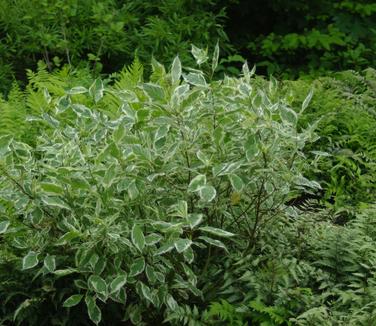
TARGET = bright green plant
x,y
131,192
255,313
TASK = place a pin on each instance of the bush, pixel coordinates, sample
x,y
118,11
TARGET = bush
x,y
102,34
131,194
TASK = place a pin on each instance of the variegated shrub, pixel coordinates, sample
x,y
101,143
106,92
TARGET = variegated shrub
x,y
132,189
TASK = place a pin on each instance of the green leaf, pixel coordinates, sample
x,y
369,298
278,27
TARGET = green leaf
x,y
65,272
109,176
245,70
180,209
93,310
94,258
176,70
146,292
77,90
50,263
138,237
55,202
207,193
225,168
150,274
160,277
120,296
200,55
137,267
25,304
236,182
98,284
182,245
215,231
100,265
213,242
307,100
269,188
96,90
82,111
196,183
155,92
4,226
164,249
133,190
5,142
67,237
52,188
215,58
189,255
171,302
194,219
195,79
180,92
161,133
288,115
119,133
73,300
302,181
118,283
251,147
30,260
152,239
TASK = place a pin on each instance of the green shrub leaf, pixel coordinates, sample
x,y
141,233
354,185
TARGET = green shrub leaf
x,y
176,70
93,310
118,283
236,182
4,226
207,193
55,202
197,182
50,263
98,284
73,300
182,245
138,237
215,231
137,267
30,260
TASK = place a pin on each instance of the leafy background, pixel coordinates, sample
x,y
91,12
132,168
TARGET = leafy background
x,y
148,176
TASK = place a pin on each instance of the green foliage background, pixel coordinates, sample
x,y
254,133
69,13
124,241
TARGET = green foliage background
x,y
290,38
142,184
285,38
105,35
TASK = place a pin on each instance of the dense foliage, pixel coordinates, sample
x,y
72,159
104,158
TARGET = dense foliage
x,y
296,36
284,38
187,200
344,107
104,35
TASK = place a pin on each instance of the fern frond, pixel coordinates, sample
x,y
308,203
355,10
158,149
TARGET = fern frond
x,y
13,113
130,76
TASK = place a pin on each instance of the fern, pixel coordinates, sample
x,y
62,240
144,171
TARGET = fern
x,y
13,113
255,313
225,312
130,76
184,315
268,315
